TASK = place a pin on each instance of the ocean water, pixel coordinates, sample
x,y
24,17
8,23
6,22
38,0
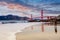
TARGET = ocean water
x,y
13,21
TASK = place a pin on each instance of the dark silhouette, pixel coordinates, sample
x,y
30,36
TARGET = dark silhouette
x,y
55,23
12,17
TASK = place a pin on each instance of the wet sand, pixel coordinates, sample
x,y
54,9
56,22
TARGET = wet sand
x,y
38,36
35,33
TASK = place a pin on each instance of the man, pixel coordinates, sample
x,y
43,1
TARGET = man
x,y
55,24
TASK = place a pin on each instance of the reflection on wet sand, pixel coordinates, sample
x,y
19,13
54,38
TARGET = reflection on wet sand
x,y
43,27
43,31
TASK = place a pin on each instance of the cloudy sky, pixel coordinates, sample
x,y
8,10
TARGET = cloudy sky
x,y
27,7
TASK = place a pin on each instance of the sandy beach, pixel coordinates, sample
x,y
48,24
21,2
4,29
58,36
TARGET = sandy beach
x,y
8,31
36,34
28,31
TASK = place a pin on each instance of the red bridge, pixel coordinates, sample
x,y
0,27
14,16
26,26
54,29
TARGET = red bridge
x,y
42,16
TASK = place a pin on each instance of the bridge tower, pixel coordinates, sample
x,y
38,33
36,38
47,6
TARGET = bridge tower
x,y
42,26
31,16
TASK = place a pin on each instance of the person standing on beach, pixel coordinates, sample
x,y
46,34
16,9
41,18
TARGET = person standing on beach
x,y
55,24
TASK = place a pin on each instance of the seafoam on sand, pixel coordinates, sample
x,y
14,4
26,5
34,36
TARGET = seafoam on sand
x,y
7,31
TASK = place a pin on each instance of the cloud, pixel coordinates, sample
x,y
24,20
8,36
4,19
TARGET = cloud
x,y
51,6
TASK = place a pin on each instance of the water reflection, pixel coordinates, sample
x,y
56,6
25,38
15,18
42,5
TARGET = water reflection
x,y
43,27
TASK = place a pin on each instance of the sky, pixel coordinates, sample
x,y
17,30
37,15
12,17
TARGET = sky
x,y
27,7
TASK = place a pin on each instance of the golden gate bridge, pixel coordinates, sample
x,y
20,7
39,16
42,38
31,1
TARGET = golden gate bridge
x,y
42,16
31,16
